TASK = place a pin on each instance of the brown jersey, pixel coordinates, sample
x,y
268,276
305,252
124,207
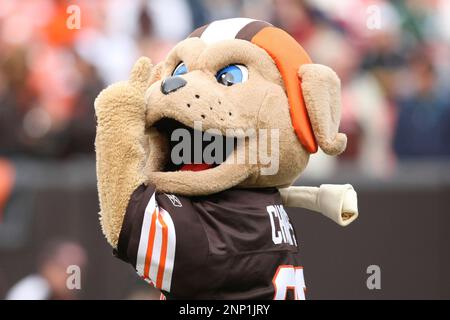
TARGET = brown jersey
x,y
236,244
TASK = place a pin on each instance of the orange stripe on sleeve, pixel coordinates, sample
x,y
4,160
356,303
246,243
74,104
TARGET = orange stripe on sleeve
x,y
162,260
151,241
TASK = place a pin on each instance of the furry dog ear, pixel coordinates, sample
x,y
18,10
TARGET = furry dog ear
x,y
322,94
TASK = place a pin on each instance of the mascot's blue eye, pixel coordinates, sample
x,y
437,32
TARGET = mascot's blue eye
x,y
235,73
180,69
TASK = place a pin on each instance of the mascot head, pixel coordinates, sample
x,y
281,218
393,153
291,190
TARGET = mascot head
x,y
245,95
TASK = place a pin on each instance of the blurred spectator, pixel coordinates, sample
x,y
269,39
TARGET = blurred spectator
x,y
50,281
79,133
423,126
40,81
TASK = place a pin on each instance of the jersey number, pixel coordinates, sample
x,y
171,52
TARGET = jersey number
x,y
287,278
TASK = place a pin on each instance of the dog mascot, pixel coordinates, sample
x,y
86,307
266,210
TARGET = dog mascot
x,y
218,229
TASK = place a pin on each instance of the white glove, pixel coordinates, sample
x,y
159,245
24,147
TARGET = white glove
x,y
337,202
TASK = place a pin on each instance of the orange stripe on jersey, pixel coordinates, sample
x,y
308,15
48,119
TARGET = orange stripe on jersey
x,y
151,240
162,259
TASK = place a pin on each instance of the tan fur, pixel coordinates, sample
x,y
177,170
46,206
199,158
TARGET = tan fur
x,y
131,152
263,91
119,144
322,93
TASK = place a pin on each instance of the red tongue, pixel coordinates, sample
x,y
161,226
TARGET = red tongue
x,y
196,167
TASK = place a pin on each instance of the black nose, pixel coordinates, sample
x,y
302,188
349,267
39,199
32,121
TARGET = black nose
x,y
172,84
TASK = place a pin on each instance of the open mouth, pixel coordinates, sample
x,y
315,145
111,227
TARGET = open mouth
x,y
191,149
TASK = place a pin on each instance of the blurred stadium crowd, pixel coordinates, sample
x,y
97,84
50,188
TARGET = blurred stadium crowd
x,y
394,71
392,57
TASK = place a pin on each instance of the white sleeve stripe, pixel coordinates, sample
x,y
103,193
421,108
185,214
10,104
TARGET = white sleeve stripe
x,y
145,231
170,257
164,242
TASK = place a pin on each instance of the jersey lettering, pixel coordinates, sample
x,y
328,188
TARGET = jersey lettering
x,y
283,232
287,278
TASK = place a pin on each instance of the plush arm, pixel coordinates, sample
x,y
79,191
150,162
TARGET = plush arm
x,y
337,202
120,146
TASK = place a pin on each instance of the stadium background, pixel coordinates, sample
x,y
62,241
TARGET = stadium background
x,y
396,112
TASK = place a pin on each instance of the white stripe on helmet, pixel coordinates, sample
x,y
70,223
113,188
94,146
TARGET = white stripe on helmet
x,y
224,29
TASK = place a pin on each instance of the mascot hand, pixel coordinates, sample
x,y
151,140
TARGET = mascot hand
x,y
121,145
126,96
337,202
